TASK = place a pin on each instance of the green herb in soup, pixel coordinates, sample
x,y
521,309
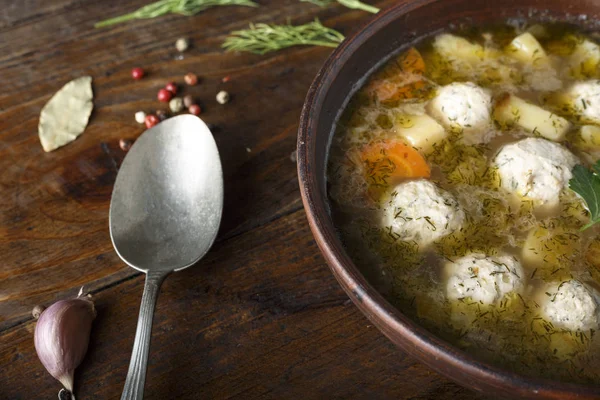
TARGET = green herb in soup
x,y
449,182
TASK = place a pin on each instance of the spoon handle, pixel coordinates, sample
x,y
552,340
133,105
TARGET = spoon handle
x,y
136,376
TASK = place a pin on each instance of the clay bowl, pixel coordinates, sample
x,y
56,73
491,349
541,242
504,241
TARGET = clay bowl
x,y
340,76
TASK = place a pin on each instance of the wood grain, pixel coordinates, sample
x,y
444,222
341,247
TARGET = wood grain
x,y
256,319
261,316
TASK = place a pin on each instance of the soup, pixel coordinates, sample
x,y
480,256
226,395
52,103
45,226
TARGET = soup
x,y
448,177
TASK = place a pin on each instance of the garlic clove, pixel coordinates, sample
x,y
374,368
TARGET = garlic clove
x,y
62,336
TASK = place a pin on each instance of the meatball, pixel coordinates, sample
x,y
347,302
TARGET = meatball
x,y
535,168
570,305
586,99
485,279
465,107
422,212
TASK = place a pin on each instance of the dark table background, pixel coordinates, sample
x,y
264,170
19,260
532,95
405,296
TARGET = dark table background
x,y
261,317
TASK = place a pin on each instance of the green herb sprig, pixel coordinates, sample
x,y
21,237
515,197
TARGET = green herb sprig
x,y
354,4
183,7
586,183
264,38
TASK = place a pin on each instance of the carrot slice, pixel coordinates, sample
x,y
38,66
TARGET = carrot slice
x,y
412,62
388,162
409,62
400,79
388,91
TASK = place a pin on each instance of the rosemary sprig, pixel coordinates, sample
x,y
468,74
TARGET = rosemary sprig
x,y
354,4
184,7
264,38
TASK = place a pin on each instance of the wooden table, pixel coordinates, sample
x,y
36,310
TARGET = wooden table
x,y
261,316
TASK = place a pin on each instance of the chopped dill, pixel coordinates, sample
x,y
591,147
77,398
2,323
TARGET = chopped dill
x,y
514,330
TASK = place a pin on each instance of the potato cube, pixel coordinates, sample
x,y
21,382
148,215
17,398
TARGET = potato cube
x,y
588,143
459,48
511,110
590,135
584,59
527,49
550,250
421,131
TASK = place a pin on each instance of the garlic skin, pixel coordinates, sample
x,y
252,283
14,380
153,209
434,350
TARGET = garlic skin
x,y
62,335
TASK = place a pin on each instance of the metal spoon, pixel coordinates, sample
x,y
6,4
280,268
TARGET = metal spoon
x,y
164,215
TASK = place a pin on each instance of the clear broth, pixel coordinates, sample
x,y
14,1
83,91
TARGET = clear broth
x,y
511,334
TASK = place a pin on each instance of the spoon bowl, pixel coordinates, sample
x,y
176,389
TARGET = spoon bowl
x,y
165,213
167,200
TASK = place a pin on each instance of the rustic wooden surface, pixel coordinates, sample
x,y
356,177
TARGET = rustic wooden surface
x,y
261,316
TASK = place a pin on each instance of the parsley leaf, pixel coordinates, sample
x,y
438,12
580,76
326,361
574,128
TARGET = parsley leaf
x,y
586,183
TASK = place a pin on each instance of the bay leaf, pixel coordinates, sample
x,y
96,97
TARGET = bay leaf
x,y
66,114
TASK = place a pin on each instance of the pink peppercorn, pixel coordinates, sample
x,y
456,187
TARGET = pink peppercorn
x,y
151,120
171,87
191,79
137,73
164,95
194,109
188,100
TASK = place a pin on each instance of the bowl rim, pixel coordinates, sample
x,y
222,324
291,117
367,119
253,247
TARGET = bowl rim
x,y
411,337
